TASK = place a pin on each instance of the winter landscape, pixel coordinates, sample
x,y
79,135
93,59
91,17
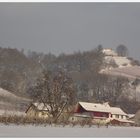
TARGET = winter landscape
x,y
56,77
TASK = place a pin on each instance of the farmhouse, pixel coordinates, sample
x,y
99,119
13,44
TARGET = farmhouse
x,y
100,113
38,110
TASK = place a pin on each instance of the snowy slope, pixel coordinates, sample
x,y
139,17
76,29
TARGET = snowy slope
x,y
7,94
121,66
131,72
120,61
112,60
11,102
12,113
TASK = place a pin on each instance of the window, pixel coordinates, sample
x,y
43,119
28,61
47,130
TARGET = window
x,y
124,117
113,116
72,119
43,113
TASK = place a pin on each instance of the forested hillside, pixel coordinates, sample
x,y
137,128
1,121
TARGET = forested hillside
x,y
19,72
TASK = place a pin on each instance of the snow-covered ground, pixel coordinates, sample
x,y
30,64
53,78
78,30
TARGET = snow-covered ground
x,y
51,131
5,93
12,113
112,57
120,61
129,72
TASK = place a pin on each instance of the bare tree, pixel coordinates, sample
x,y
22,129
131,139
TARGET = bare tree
x,y
117,89
122,50
55,90
83,91
108,88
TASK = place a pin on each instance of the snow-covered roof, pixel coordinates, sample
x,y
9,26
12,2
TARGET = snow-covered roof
x,y
117,111
131,116
102,108
95,107
41,106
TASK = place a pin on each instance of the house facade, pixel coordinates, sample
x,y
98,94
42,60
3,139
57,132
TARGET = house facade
x,y
38,110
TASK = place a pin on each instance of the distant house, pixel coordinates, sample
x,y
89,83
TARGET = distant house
x,y
99,112
43,111
109,52
38,110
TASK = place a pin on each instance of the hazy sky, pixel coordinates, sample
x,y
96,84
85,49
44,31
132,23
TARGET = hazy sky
x,y
69,27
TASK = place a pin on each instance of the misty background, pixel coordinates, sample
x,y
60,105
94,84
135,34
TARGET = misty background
x,y
69,27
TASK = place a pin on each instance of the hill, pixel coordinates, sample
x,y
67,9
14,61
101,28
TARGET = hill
x,y
119,65
113,60
10,102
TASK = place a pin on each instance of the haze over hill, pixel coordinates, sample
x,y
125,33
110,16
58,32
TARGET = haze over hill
x,y
69,27
120,65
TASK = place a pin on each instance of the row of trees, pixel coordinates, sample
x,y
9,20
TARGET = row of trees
x,y
122,50
18,69
58,92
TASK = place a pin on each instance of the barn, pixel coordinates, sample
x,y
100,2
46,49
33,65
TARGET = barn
x,y
96,112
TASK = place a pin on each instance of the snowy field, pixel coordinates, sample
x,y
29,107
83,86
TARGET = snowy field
x,y
77,131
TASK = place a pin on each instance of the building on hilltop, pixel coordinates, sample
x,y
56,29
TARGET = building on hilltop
x,y
109,52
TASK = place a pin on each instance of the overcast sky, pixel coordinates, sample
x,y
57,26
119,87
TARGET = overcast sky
x,y
68,27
